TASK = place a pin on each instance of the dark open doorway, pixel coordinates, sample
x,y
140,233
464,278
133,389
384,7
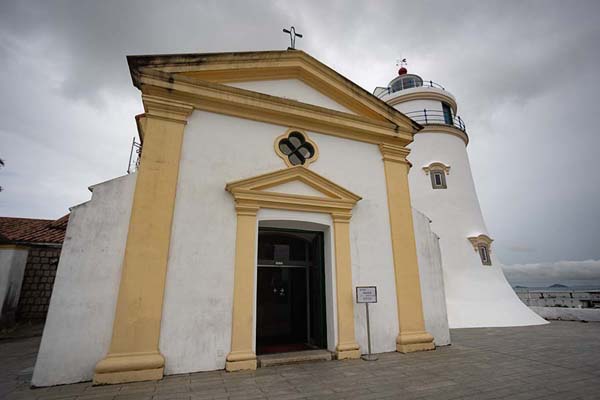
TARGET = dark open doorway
x,y
290,301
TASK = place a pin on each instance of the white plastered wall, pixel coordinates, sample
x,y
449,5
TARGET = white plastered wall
x,y
196,325
476,295
293,89
432,279
81,313
12,270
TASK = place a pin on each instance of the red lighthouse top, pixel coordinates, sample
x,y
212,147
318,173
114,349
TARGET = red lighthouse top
x,y
402,71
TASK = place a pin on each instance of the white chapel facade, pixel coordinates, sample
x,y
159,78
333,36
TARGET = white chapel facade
x,y
269,188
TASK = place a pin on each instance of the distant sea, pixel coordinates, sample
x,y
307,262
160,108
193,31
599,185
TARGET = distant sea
x,y
555,289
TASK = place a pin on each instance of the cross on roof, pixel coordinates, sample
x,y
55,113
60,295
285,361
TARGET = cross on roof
x,y
293,35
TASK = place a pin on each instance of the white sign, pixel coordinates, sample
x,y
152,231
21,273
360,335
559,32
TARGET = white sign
x,y
366,294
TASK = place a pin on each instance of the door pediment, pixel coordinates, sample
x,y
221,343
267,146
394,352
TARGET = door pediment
x,y
296,188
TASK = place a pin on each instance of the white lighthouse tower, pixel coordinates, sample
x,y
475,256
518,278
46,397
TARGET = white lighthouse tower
x,y
441,187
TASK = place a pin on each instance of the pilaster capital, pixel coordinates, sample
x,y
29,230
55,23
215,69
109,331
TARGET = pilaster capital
x,y
341,217
393,153
167,109
246,209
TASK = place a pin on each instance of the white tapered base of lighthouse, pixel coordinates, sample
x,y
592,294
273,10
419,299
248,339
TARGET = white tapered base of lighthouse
x,y
483,298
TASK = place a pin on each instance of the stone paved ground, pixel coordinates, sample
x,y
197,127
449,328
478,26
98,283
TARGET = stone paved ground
x,y
556,361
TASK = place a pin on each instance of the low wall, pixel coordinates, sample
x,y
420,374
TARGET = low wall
x,y
568,314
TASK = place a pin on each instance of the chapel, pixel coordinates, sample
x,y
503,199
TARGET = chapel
x,y
269,188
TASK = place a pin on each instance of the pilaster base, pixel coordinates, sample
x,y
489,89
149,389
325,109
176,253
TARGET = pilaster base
x,y
240,361
129,367
347,351
411,342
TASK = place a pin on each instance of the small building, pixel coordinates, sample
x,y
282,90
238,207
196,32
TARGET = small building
x,y
29,254
269,188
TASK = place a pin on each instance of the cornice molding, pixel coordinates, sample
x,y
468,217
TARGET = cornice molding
x,y
484,239
166,108
448,129
252,192
437,166
270,65
222,99
395,154
424,94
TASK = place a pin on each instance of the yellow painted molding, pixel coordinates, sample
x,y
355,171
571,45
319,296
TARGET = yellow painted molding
x,y
437,166
242,355
272,65
222,99
482,239
258,184
129,367
447,129
412,335
395,154
424,94
133,353
250,195
347,347
285,158
10,246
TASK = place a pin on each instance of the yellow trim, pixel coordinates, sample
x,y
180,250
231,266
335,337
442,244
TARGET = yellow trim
x,y
13,247
482,239
269,65
133,353
242,356
448,129
222,99
285,158
412,335
437,166
250,195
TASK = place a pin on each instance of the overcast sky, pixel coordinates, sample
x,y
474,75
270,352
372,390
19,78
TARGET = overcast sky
x,y
525,75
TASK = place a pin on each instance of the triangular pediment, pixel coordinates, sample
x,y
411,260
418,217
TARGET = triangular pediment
x,y
222,69
297,182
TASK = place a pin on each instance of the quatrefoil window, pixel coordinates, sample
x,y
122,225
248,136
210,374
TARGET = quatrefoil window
x,y
295,148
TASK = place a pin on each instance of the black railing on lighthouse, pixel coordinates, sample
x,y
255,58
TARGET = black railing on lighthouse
x,y
406,84
426,117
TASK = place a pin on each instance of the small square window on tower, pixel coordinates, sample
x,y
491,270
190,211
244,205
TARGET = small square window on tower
x,y
438,180
484,254
482,245
437,171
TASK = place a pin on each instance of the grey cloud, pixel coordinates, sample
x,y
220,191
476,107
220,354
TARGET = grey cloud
x,y
564,272
524,74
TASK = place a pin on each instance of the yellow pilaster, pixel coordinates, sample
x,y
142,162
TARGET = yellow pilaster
x,y
412,335
133,354
347,346
242,357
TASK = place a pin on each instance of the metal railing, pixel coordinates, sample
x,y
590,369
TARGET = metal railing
x,y
425,117
400,85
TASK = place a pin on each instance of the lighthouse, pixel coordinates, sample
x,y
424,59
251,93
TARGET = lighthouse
x,y
441,186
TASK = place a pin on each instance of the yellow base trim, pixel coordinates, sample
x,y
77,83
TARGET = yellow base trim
x,y
246,365
347,351
129,367
240,361
113,378
347,354
411,342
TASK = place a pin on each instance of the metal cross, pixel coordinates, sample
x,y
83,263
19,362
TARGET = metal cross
x,y
293,34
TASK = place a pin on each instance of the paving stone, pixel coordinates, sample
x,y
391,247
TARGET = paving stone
x,y
555,361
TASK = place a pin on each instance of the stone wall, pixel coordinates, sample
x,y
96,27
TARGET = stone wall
x,y
38,282
568,314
